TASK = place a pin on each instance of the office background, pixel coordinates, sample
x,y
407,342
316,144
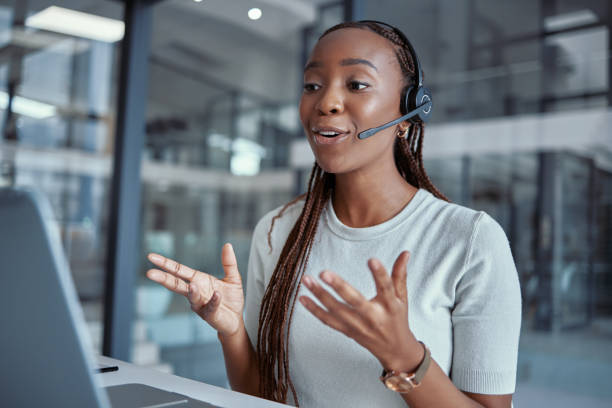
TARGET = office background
x,y
173,126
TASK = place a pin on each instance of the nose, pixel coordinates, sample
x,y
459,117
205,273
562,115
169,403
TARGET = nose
x,y
330,102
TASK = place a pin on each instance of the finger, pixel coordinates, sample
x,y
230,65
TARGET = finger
x,y
171,266
349,294
195,296
384,285
230,265
208,310
330,302
168,281
399,276
323,315
201,290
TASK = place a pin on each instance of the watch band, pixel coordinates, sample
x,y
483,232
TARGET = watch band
x,y
404,382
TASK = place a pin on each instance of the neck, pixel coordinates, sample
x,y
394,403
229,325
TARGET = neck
x,y
365,199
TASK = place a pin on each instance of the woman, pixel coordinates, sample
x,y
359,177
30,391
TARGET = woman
x,y
369,201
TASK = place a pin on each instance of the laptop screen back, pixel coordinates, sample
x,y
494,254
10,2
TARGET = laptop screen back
x,y
44,346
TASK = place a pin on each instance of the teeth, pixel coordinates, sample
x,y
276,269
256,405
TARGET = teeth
x,y
326,133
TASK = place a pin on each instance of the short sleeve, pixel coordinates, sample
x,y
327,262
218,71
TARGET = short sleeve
x,y
255,284
487,314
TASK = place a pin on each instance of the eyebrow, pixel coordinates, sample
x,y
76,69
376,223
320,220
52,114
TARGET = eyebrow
x,y
344,62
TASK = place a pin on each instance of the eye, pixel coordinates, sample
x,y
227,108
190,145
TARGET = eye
x,y
310,87
357,86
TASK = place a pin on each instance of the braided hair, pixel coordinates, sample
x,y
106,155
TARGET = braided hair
x,y
279,298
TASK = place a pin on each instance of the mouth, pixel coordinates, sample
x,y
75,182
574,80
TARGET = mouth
x,y
328,135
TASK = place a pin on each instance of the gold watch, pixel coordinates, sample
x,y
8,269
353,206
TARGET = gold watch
x,y
403,382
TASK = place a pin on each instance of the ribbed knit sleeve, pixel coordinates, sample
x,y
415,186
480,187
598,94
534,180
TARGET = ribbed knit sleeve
x,y
486,317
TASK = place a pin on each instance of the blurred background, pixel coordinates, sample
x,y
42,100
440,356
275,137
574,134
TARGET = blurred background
x,y
522,129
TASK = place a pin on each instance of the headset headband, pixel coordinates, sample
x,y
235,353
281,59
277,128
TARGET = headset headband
x,y
415,58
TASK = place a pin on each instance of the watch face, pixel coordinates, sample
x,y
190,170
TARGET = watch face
x,y
398,383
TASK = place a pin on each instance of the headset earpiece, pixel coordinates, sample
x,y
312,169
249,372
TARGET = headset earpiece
x,y
422,96
414,96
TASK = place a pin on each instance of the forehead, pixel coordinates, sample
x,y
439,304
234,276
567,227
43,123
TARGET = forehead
x,y
355,43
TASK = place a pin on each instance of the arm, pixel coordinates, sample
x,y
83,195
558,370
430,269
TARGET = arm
x,y
220,303
437,389
240,362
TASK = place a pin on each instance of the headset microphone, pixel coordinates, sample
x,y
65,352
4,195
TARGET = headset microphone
x,y
426,107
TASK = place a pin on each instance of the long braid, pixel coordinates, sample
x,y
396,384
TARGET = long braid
x,y
279,299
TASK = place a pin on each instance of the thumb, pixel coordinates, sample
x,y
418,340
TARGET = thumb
x,y
230,265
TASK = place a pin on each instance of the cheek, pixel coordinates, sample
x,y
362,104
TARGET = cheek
x,y
372,112
304,108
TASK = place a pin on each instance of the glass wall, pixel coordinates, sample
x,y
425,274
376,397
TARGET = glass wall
x,y
57,112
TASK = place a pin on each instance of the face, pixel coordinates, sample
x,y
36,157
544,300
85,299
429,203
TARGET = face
x,y
352,82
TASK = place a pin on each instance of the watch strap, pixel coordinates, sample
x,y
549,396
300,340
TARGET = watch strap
x,y
413,379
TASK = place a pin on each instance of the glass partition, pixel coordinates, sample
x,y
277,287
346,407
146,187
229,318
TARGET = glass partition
x,y
57,111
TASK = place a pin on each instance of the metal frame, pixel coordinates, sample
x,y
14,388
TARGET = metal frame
x,y
124,220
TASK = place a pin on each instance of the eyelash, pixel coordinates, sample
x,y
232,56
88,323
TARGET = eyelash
x,y
309,87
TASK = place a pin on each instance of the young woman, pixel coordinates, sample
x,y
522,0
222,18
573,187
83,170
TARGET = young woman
x,y
392,277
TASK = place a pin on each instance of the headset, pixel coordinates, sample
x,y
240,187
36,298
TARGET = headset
x,y
416,103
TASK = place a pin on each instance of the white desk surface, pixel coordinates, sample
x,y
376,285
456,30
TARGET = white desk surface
x,y
130,373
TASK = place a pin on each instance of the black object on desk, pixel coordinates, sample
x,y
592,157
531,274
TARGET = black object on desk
x,y
106,368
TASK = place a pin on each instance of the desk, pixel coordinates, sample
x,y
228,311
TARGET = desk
x,y
130,373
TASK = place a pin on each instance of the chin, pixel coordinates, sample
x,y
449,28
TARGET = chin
x,y
333,166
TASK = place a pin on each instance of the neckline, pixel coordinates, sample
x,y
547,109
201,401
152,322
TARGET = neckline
x,y
374,231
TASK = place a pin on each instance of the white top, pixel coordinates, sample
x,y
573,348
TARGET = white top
x,y
464,299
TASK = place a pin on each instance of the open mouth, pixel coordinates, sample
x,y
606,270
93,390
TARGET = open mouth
x,y
328,135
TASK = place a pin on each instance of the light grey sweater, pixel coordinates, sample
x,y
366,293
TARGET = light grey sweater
x,y
463,294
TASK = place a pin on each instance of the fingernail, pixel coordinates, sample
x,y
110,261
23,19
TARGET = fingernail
x,y
155,258
307,281
154,275
302,300
326,276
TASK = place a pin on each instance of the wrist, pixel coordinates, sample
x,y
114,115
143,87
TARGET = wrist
x,y
227,337
407,359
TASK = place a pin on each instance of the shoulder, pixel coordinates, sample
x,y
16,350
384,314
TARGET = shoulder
x,y
278,222
476,232
458,220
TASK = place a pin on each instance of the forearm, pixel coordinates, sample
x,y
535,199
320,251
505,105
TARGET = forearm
x,y
437,390
241,362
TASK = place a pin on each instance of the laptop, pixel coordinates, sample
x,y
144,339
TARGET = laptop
x,y
45,348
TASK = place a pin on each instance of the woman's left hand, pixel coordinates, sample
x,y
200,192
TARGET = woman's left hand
x,y
379,324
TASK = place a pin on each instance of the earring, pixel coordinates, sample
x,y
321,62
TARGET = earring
x,y
402,134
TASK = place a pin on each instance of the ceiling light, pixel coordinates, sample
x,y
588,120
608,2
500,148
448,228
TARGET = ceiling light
x,y
254,13
198,1
78,24
28,107
569,20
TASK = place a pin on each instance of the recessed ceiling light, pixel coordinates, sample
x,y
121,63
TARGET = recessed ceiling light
x,y
569,20
198,1
254,13
78,24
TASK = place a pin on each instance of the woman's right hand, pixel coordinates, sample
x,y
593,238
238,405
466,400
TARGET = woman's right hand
x,y
218,301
